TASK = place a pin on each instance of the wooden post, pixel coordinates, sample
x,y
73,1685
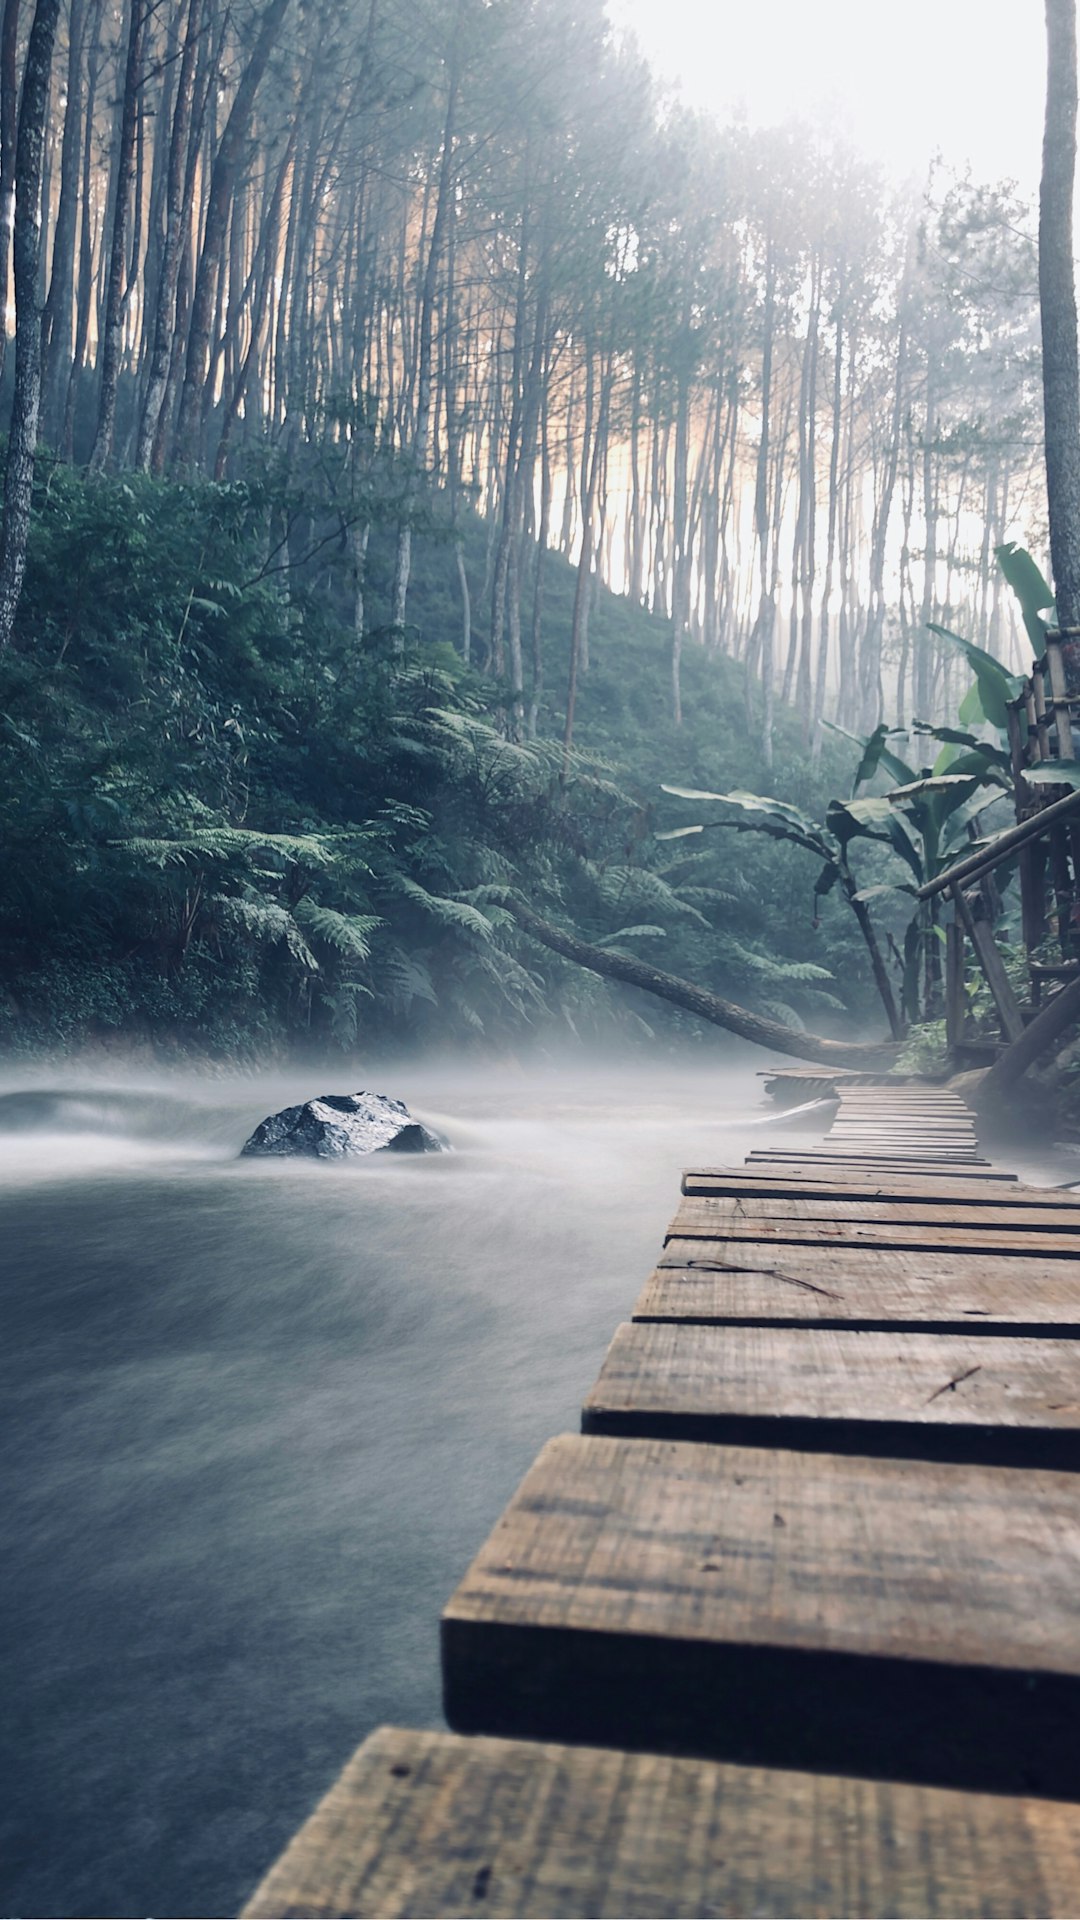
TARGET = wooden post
x,y
1060,691
1032,882
1037,713
955,1007
979,933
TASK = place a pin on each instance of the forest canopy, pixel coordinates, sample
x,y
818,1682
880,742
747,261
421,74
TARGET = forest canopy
x,y
446,439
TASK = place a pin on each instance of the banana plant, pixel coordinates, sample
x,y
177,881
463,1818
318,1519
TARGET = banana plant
x,y
934,818
828,841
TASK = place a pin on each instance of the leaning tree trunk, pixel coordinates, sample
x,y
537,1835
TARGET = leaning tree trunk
x,y
1057,304
698,1000
26,405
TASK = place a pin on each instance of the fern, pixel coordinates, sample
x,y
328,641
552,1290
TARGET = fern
x,y
448,913
227,843
406,978
264,920
347,933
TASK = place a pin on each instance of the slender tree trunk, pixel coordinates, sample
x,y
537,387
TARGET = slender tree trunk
x,y
403,560
57,329
22,439
9,127
223,179
112,340
1057,304
165,306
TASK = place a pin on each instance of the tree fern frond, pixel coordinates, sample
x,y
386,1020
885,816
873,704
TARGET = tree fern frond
x,y
347,933
265,920
449,913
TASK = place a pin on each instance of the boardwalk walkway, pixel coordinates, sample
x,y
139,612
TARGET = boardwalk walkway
x,y
793,1625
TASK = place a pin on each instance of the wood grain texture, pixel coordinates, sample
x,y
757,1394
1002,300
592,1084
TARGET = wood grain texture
x,y
428,1824
936,1209
922,1396
694,1220
887,1292
842,1266
818,1184
824,1161
778,1608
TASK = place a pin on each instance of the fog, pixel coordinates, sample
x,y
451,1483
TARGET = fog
x,y
257,1416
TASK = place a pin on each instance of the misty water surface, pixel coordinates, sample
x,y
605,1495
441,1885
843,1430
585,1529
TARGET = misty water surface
x,y
257,1417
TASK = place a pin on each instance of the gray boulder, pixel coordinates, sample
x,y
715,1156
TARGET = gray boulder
x,y
338,1126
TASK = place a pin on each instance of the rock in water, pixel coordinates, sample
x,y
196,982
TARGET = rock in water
x,y
339,1125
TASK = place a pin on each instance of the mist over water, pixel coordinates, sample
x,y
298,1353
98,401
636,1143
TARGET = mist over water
x,y
257,1417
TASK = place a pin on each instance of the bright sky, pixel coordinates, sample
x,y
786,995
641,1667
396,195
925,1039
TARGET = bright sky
x,y
901,78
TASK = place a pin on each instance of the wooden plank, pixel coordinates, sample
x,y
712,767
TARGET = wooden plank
x,y
859,1290
429,1823
770,1607
842,1151
714,1182
944,1210
911,1396
691,1222
817,1261
825,1165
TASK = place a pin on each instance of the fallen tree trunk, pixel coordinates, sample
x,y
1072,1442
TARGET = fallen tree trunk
x,y
698,1000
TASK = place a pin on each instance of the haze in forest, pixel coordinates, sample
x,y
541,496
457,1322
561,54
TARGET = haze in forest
x,y
448,443
964,79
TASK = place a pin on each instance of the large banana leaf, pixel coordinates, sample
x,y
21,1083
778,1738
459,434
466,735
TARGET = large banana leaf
x,y
1035,596
875,754
995,687
750,803
1054,773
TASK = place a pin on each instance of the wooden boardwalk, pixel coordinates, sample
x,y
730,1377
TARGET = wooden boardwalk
x,y
793,1625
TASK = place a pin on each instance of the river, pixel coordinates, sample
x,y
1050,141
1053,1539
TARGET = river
x,y
257,1417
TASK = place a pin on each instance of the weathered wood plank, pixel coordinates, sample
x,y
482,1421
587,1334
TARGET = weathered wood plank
x,y
912,1162
1032,1297
913,1396
693,1221
944,1210
780,1608
826,1165
429,1824
842,1263
716,1182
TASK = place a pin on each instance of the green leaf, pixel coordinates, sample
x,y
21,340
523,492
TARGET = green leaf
x,y
996,687
868,894
633,933
1054,773
875,754
1035,596
933,783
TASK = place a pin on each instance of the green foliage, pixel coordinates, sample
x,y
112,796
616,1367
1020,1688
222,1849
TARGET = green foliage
x,y
925,1051
233,830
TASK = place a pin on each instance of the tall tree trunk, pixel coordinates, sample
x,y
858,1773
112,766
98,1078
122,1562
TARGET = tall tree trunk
x,y
22,438
9,127
112,339
403,558
57,334
1057,305
223,180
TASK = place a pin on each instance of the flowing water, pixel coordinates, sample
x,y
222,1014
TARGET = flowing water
x,y
256,1418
